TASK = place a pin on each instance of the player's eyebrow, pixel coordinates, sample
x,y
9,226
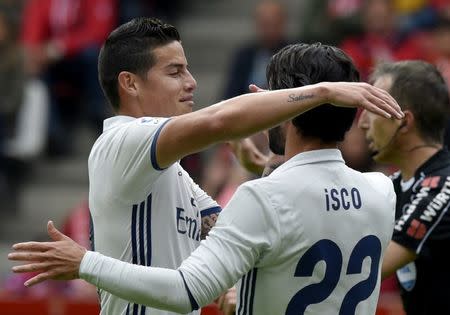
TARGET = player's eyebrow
x,y
176,65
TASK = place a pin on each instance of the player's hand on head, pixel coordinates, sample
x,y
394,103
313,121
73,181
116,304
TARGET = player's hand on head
x,y
57,260
364,95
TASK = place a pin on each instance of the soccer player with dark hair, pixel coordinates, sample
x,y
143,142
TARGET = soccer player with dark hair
x,y
146,210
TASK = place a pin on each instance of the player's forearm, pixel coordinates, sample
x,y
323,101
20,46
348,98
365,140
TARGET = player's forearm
x,y
154,287
235,118
246,114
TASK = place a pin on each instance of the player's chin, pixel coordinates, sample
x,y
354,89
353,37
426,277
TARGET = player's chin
x,y
187,107
378,156
374,155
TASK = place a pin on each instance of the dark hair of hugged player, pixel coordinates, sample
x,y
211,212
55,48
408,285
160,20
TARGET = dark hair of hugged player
x,y
303,64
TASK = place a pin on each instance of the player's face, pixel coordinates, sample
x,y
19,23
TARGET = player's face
x,y
169,87
277,139
381,133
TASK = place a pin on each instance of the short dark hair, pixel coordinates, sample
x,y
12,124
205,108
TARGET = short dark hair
x,y
129,48
419,87
304,64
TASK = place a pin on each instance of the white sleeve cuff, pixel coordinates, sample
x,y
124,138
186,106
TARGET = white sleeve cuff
x,y
154,287
88,266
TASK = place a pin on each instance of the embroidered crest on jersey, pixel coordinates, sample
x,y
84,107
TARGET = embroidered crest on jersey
x,y
407,276
148,120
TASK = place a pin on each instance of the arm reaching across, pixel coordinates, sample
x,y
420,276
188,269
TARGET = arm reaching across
x,y
198,281
247,114
63,259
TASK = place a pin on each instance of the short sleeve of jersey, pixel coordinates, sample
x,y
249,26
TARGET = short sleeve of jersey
x,y
426,217
135,164
246,229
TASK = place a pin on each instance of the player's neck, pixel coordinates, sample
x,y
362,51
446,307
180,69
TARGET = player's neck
x,y
415,157
296,143
132,107
127,109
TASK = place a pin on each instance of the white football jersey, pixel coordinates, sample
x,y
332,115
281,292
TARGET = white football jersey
x,y
141,214
308,239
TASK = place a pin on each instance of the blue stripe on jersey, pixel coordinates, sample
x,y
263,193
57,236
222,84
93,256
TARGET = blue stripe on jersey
x,y
149,230
141,234
153,147
91,232
133,234
243,294
141,217
210,211
252,292
247,293
247,287
194,304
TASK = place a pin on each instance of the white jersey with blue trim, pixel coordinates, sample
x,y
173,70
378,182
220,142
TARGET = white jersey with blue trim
x,y
141,214
308,239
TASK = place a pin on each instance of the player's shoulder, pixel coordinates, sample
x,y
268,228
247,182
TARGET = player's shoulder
x,y
376,176
122,136
135,123
148,121
134,129
379,182
253,184
143,124
259,188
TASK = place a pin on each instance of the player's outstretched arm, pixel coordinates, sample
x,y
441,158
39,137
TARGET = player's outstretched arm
x,y
240,246
246,114
64,259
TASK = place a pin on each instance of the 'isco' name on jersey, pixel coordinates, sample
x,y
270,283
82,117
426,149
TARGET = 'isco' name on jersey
x,y
342,198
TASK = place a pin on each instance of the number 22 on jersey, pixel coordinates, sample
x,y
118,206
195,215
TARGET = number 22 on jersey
x,y
330,253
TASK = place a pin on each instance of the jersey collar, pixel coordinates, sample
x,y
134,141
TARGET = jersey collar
x,y
439,160
314,156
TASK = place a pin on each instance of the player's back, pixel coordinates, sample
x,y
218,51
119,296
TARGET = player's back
x,y
333,225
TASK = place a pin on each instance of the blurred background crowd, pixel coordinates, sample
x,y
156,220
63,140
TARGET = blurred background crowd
x,y
52,108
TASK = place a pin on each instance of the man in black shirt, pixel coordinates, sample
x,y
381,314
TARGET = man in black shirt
x,y
419,252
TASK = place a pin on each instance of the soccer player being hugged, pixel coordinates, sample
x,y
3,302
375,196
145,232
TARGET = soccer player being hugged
x,y
310,236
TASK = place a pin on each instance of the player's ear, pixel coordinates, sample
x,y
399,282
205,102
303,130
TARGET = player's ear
x,y
127,82
407,123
